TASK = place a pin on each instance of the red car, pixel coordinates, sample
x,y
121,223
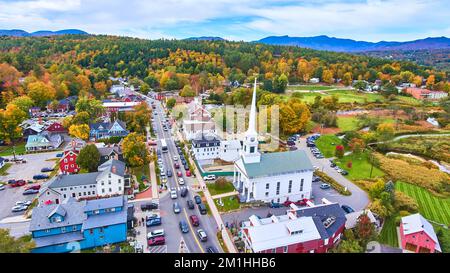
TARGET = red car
x,y
156,241
179,174
188,173
287,203
34,187
176,165
301,202
18,183
194,220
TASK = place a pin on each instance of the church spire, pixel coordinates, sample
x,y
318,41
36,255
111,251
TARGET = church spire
x,y
250,152
252,117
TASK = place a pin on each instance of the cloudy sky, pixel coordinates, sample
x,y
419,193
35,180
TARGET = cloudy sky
x,y
248,20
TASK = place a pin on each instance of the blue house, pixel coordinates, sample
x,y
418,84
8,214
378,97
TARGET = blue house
x,y
102,130
72,225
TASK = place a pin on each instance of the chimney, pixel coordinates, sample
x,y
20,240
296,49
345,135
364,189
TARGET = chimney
x,y
113,169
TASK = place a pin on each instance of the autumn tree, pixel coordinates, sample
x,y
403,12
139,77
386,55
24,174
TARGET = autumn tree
x,y
10,118
89,158
139,118
23,102
134,150
40,93
171,103
385,131
280,83
339,151
364,229
80,131
9,244
356,145
187,91
92,106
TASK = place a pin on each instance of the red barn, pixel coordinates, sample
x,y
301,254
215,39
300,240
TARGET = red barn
x,y
56,128
68,164
417,235
307,230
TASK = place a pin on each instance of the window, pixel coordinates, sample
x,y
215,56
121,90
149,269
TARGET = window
x,y
96,211
63,229
274,250
64,196
267,186
301,184
278,188
74,228
120,181
285,249
120,188
110,190
109,175
290,186
73,195
252,149
267,194
103,190
79,194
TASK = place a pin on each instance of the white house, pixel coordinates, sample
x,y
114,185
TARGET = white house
x,y
270,177
314,80
230,150
198,121
206,149
108,181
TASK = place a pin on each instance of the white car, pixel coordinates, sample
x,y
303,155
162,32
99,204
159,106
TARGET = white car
x,y
19,208
160,162
155,233
181,181
175,158
23,203
173,194
209,177
2,187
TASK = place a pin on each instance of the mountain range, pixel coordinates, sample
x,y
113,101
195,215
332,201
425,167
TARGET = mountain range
x,y
347,45
23,33
205,38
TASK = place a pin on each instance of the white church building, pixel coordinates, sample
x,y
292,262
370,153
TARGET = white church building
x,y
270,177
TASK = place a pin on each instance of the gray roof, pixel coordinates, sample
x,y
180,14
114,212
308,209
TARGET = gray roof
x,y
108,150
320,213
106,219
112,202
58,239
74,216
272,164
113,163
59,210
1,159
73,180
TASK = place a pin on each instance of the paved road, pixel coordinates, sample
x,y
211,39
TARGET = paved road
x,y
358,200
170,221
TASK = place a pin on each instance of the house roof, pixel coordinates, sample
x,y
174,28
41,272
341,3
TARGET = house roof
x,y
320,213
105,219
97,204
107,125
276,231
112,164
74,216
108,150
416,223
73,180
352,218
204,142
58,239
273,164
59,209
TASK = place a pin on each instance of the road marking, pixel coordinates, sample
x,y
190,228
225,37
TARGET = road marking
x,y
192,230
157,249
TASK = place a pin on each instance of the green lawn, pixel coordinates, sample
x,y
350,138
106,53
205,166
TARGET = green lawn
x,y
388,235
311,87
214,190
8,150
229,203
4,169
140,173
327,144
345,96
348,123
360,166
431,207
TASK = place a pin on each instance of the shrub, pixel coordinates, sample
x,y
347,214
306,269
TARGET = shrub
x,y
339,152
338,187
405,203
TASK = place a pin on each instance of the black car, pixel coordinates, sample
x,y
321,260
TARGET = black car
x,y
291,143
46,170
40,176
183,161
211,249
198,199
310,144
184,192
332,165
344,172
202,208
184,227
190,204
149,206
186,167
169,173
30,191
347,209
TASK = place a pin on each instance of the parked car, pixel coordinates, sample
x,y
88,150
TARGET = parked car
x,y
332,165
291,143
149,206
181,181
156,241
179,174
153,221
211,249
23,203
209,177
344,172
173,194
194,220
47,169
347,209
17,183
30,191
19,208
175,158
184,227
59,155
275,205
186,167
169,173
301,202
184,192
40,176
34,187
202,208
293,148
2,187
190,204
198,199
202,235
176,208
325,186
155,233
188,173
176,165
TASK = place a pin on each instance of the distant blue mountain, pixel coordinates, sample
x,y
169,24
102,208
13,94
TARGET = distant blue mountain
x,y
347,45
205,38
23,33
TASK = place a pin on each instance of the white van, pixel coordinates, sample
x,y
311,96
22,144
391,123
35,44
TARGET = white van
x,y
155,233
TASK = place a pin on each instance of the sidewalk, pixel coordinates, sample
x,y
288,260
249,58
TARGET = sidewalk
x,y
222,195
154,184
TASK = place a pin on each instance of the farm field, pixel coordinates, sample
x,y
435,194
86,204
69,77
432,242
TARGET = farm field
x,y
388,234
345,96
311,87
349,123
431,207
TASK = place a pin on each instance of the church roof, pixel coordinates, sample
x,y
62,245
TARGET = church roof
x,y
272,164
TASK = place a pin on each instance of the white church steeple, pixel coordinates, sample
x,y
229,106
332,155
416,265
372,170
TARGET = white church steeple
x,y
250,152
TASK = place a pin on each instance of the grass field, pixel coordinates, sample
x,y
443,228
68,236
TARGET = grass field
x,y
431,207
229,203
141,173
361,167
327,144
348,123
388,234
311,87
8,150
214,190
344,96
